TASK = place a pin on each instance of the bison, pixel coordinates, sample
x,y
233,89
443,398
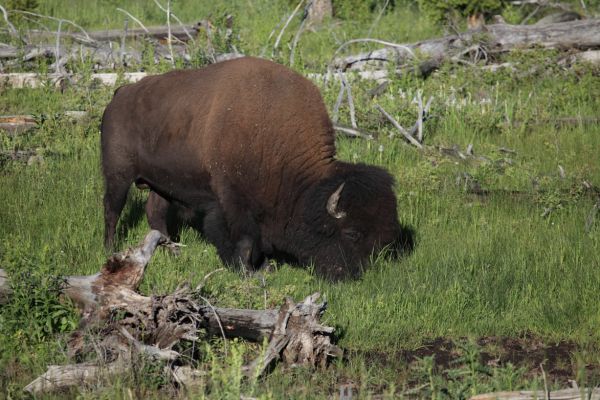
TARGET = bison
x,y
249,145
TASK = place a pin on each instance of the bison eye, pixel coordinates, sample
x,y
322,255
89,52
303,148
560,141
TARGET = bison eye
x,y
351,234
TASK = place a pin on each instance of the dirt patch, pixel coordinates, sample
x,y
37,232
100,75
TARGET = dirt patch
x,y
559,360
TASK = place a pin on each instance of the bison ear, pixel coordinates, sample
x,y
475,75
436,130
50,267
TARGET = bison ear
x,y
332,203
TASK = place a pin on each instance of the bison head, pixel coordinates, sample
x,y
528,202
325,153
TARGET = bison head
x,y
348,217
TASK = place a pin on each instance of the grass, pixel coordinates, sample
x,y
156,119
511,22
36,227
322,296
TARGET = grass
x,y
483,266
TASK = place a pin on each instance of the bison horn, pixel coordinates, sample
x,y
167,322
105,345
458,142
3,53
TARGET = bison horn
x,y
333,201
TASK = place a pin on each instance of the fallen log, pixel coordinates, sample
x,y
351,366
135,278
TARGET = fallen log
x,y
34,80
156,32
103,56
155,325
565,394
581,34
14,125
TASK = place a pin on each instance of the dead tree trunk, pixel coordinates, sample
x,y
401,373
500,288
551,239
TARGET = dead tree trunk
x,y
564,394
156,32
154,325
582,35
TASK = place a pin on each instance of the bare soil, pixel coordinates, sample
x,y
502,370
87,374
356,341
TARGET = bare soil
x,y
561,361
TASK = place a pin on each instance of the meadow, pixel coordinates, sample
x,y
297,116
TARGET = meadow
x,y
504,275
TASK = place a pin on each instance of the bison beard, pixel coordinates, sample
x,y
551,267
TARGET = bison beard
x,y
248,145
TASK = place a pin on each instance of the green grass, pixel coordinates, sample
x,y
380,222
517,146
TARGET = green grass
x,y
482,266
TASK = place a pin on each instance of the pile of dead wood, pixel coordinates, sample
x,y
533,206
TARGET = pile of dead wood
x,y
117,322
64,41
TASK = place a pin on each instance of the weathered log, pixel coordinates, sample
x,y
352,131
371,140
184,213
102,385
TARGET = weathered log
x,y
101,55
156,32
34,80
60,377
154,325
565,394
17,124
25,119
581,34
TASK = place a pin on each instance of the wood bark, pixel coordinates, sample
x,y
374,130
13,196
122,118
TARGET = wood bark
x,y
582,35
155,325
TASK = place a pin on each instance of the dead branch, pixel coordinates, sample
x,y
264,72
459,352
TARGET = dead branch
x,y
376,21
122,48
371,55
422,116
57,52
400,128
352,132
263,51
11,28
154,325
86,37
338,102
346,86
299,32
167,11
287,22
146,30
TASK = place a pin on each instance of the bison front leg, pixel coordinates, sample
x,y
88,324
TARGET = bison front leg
x,y
233,249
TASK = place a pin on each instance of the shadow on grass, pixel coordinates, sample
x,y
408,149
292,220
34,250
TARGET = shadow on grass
x,y
132,215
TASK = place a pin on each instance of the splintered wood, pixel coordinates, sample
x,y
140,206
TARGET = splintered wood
x,y
123,323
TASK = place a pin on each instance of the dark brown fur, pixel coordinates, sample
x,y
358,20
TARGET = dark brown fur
x,y
248,143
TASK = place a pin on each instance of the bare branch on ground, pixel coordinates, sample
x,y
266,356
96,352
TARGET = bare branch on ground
x,y
400,128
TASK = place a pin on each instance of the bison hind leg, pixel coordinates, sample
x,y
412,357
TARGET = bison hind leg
x,y
115,196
